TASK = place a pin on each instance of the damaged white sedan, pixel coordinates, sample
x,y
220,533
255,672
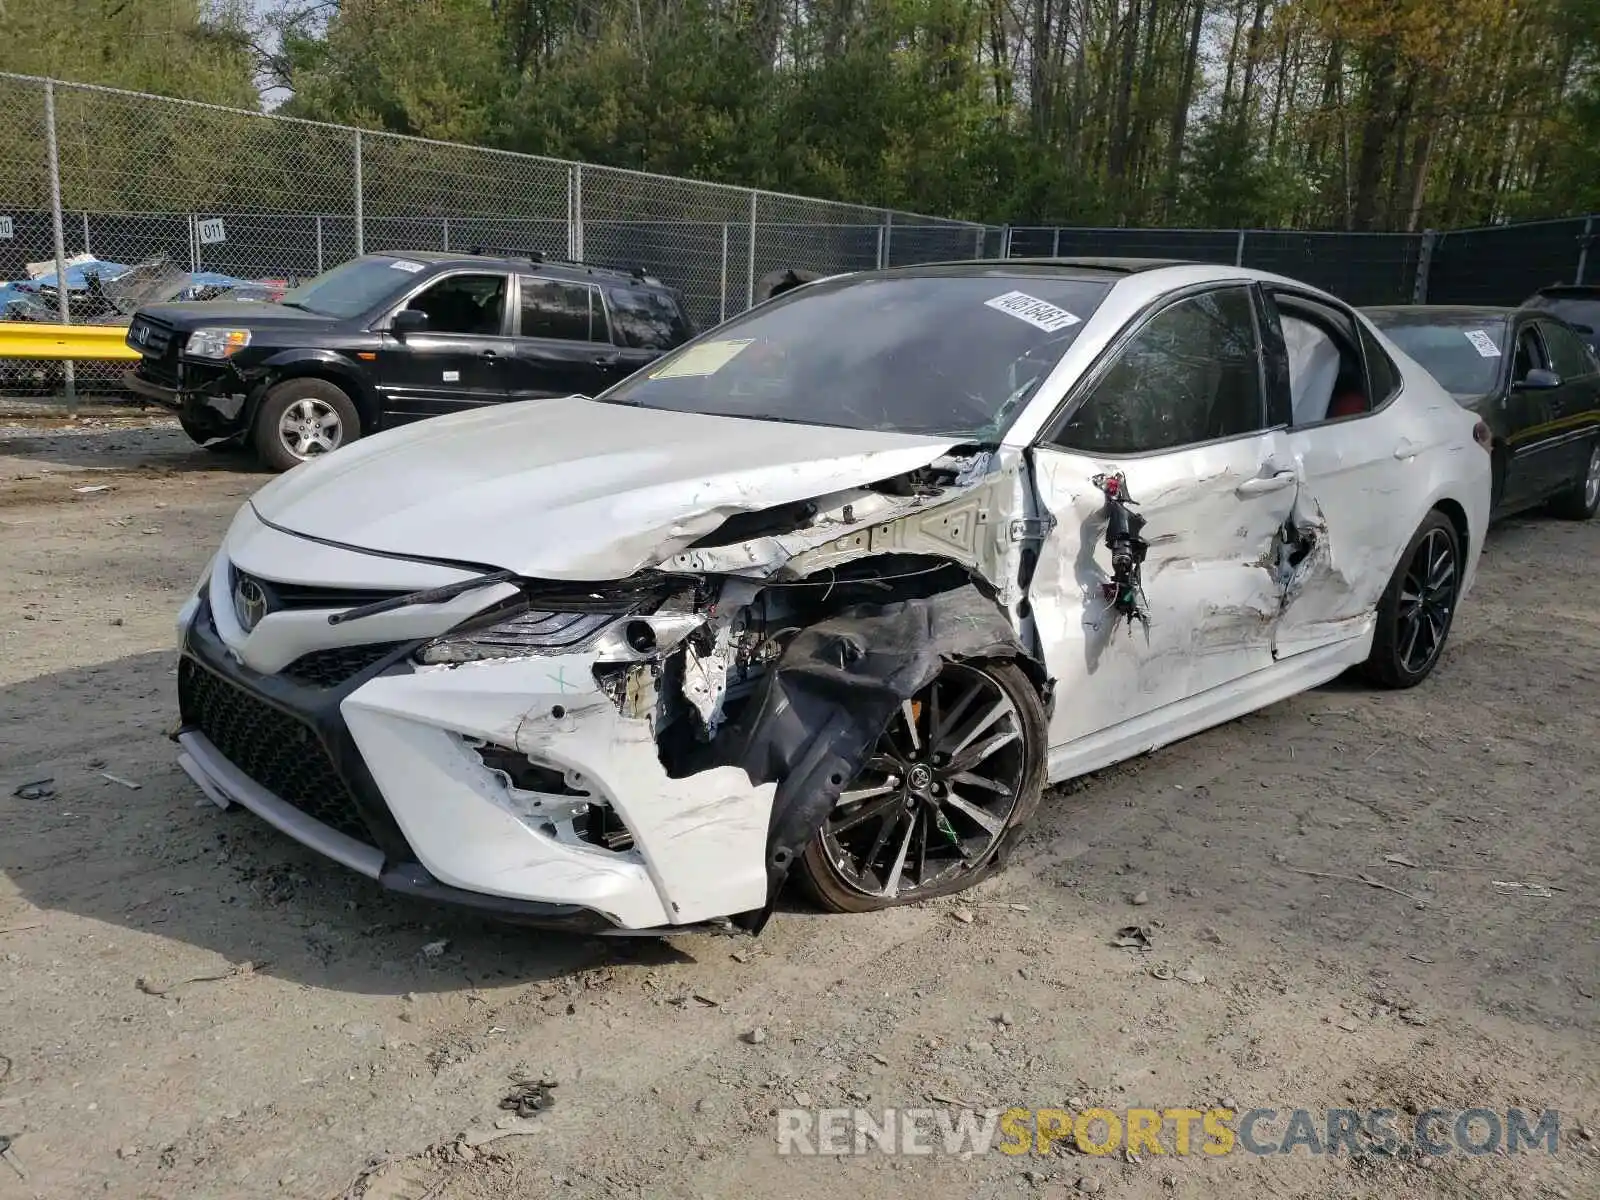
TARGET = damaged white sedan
x,y
835,589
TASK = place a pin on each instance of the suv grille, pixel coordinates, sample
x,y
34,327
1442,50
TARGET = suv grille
x,y
149,337
329,668
274,749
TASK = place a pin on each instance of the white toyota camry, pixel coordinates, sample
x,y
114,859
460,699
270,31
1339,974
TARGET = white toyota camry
x,y
834,590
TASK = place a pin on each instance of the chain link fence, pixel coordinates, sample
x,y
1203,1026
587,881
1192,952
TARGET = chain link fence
x,y
221,192
227,194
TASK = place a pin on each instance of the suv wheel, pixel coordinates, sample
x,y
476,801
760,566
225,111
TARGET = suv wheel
x,y
302,419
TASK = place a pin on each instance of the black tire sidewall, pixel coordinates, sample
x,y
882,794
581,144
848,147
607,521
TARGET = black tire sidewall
x,y
831,893
1384,665
265,437
1571,504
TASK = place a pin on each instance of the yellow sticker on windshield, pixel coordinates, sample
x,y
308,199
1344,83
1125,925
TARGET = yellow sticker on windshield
x,y
705,359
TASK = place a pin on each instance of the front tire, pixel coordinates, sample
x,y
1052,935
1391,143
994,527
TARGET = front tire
x,y
1582,499
940,800
1418,607
302,419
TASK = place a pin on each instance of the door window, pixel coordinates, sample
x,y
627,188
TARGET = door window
x,y
1567,355
562,311
466,304
1191,374
647,320
1530,354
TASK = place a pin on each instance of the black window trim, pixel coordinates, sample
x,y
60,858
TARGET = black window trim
x,y
1365,333
1113,351
385,322
1530,325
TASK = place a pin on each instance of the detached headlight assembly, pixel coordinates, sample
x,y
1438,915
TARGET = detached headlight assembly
x,y
216,343
517,637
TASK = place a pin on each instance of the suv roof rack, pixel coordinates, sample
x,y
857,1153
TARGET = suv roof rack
x,y
540,258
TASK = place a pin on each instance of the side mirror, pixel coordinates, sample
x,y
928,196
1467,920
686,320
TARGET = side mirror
x,y
1538,380
408,320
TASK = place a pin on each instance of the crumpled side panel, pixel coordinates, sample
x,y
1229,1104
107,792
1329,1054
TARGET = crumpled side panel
x,y
821,709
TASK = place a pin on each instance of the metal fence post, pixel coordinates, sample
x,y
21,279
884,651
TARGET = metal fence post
x,y
86,249
722,292
577,212
1055,243
63,304
1419,286
977,241
1238,250
878,262
1005,242
319,243
444,228
888,240
1583,247
361,239
194,248
750,266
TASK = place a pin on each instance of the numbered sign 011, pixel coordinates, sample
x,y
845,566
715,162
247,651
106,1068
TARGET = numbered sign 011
x,y
210,231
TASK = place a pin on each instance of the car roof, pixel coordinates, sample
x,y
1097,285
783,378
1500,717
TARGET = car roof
x,y
556,268
1445,312
1572,291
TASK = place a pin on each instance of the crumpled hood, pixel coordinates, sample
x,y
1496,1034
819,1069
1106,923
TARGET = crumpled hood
x,y
572,488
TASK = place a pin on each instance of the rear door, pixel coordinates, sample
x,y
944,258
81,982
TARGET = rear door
x,y
1180,410
563,343
646,322
1349,444
457,361
1576,402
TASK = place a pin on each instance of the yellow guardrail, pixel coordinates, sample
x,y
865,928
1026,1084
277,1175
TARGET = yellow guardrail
x,y
36,339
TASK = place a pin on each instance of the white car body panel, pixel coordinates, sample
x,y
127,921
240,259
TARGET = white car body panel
x,y
575,489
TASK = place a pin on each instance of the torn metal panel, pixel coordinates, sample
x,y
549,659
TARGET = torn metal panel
x,y
1210,583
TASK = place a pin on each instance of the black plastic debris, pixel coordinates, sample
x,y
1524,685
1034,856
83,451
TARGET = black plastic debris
x,y
39,789
529,1097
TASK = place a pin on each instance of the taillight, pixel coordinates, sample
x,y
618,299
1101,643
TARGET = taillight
x,y
1481,435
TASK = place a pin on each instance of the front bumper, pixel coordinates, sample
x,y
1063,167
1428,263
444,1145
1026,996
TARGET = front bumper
x,y
379,771
212,397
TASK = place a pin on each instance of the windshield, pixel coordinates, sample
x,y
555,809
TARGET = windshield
x,y
932,353
1463,353
352,288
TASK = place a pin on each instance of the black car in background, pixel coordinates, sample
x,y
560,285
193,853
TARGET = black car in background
x,y
395,337
1576,303
1535,381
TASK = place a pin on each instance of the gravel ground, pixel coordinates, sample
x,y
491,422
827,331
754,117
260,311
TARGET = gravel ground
x,y
334,1041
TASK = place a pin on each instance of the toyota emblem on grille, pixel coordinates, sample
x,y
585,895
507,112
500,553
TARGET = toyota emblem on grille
x,y
249,602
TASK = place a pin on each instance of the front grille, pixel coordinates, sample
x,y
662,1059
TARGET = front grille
x,y
150,337
274,749
286,596
329,668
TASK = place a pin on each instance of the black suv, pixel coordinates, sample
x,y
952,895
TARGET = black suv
x,y
1576,303
389,338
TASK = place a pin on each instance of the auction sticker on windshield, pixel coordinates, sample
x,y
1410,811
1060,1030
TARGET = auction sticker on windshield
x,y
1039,313
705,359
1483,343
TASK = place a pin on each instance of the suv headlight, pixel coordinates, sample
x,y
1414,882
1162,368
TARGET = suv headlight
x,y
527,633
216,343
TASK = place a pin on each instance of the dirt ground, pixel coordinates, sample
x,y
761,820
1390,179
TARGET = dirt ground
x,y
336,1041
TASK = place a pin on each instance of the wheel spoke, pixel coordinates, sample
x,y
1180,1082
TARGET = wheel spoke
x,y
1415,624
864,814
908,711
892,886
990,823
890,820
989,785
1000,708
938,731
866,793
983,750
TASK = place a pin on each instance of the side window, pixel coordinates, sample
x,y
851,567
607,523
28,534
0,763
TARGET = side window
x,y
646,320
1383,374
468,304
1530,353
1567,355
599,326
1192,374
553,309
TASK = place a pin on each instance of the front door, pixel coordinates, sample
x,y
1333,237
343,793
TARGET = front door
x,y
458,361
1180,411
1534,441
